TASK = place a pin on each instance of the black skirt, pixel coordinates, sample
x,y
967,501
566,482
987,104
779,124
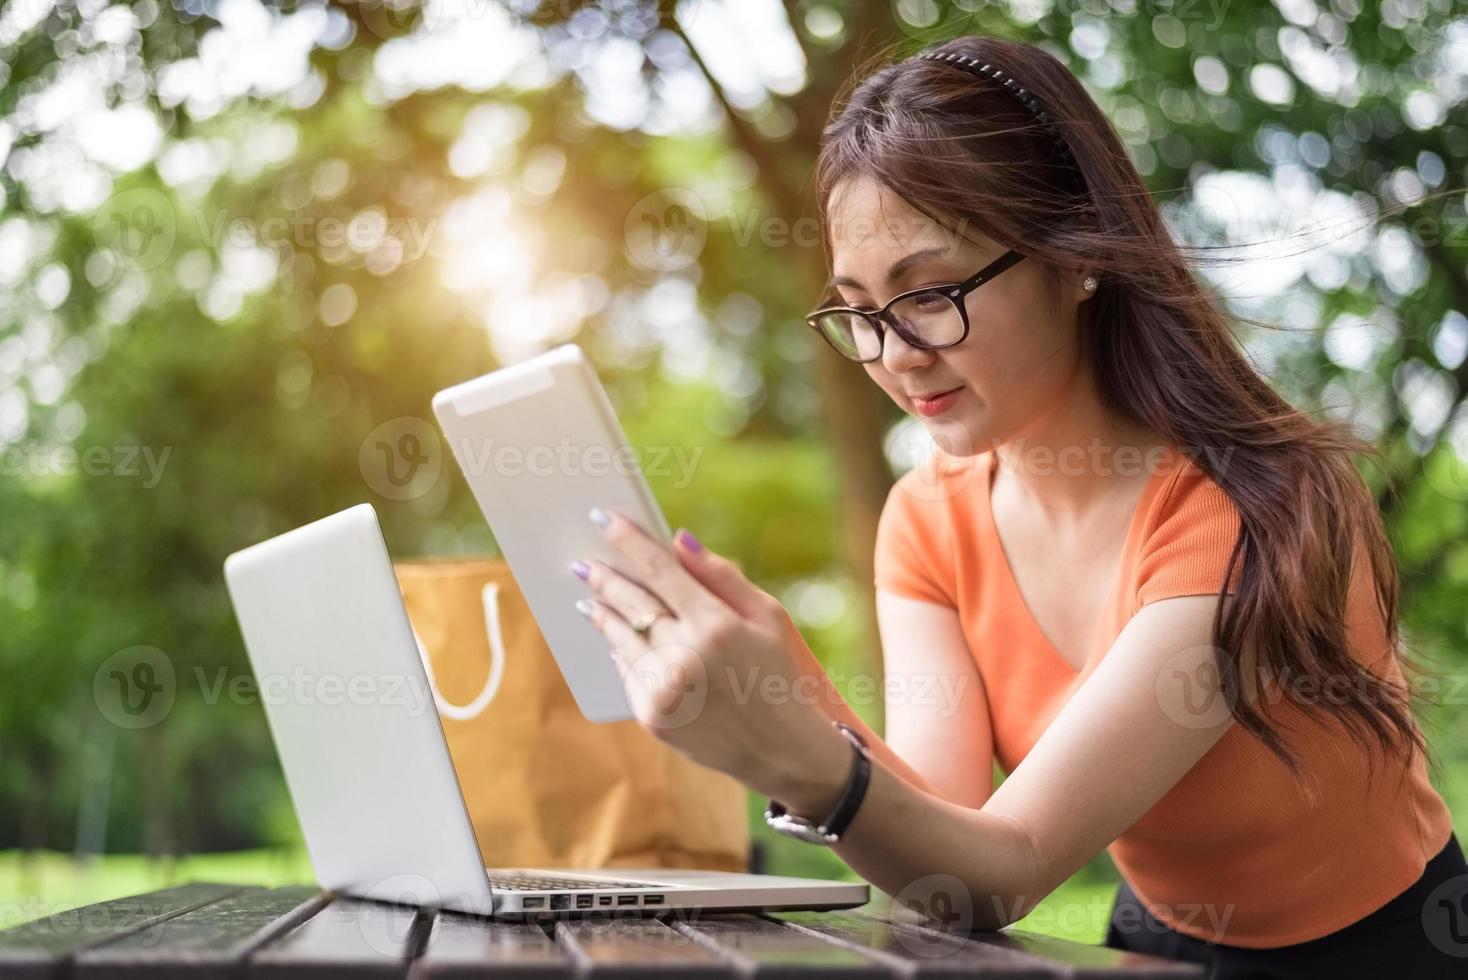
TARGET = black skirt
x,y
1421,934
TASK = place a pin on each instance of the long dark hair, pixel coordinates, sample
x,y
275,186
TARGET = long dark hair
x,y
962,150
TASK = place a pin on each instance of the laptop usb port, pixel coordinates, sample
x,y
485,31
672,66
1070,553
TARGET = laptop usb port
x,y
626,899
604,900
560,901
583,901
534,903
652,900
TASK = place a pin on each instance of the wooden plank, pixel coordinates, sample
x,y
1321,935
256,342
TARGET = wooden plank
x,y
209,942
629,948
1078,960
210,930
765,948
43,948
913,953
469,946
348,938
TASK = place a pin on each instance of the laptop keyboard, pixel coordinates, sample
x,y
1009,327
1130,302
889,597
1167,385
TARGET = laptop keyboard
x,y
539,883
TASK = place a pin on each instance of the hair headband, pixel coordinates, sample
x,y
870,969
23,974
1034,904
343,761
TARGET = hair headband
x,y
975,67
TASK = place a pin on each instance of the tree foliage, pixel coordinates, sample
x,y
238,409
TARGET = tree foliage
x,y
240,239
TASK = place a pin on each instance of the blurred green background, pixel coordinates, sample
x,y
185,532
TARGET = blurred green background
x,y
237,240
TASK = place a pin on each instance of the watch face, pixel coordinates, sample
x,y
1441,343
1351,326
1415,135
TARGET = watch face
x,y
811,835
799,829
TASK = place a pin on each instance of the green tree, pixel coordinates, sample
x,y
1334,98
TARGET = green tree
x,y
242,238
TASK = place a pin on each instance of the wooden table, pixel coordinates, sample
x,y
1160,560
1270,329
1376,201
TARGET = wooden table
x,y
208,930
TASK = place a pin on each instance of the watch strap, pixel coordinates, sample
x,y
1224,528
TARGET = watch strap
x,y
830,830
856,785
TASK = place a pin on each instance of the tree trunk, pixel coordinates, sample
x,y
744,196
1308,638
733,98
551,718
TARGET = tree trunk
x,y
94,806
852,405
157,807
34,821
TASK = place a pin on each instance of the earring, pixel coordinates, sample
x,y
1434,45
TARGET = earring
x,y
1089,284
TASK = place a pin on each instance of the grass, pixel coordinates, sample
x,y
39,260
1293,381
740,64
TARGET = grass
x,y
44,883
1078,910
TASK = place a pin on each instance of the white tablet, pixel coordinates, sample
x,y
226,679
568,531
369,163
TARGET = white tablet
x,y
541,446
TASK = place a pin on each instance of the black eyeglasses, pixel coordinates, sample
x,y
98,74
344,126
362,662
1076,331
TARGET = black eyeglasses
x,y
930,318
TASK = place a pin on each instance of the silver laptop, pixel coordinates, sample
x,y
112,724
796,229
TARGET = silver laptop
x,y
367,765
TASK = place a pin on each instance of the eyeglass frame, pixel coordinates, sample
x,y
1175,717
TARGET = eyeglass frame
x,y
882,319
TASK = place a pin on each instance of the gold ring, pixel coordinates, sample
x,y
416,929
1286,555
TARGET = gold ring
x,y
644,622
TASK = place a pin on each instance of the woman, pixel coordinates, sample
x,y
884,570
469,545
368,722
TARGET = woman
x,y
1163,596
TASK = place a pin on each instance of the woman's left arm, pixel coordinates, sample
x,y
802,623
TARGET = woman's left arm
x,y
1149,711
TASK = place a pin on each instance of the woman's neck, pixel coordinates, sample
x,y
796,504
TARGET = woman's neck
x,y
1078,452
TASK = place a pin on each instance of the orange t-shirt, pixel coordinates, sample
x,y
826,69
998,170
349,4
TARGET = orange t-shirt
x,y
1237,851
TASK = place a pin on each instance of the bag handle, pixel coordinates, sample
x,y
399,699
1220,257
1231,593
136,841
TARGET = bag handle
x,y
468,712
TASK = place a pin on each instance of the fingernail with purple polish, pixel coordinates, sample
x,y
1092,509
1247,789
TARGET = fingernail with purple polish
x,y
687,540
581,570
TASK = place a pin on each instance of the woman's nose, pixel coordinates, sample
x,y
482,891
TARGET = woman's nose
x,y
899,356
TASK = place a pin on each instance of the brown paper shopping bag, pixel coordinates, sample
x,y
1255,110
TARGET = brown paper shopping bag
x,y
544,786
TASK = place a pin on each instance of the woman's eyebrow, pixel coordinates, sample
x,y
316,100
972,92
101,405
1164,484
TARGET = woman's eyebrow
x,y
898,268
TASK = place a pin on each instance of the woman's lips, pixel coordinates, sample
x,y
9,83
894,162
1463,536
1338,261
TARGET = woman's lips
x,y
937,403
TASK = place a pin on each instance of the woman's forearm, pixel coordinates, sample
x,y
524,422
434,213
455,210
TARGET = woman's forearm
x,y
907,839
936,855
834,706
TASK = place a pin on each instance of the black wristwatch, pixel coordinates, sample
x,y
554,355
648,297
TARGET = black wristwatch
x,y
829,831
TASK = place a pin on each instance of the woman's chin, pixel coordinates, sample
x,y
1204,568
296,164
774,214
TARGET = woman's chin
x,y
955,433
